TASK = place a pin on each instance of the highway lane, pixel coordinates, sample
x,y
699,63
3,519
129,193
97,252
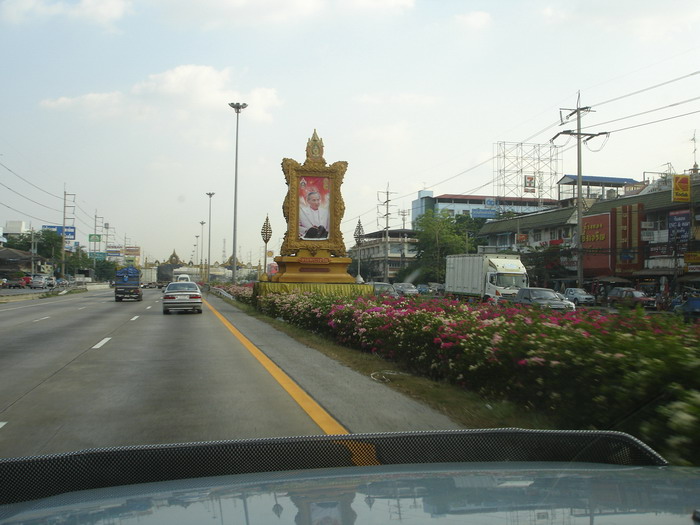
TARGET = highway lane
x,y
83,371
153,379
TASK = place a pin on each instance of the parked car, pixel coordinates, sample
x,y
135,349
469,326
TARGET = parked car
x,y
406,289
437,288
17,282
182,296
690,309
423,288
579,296
572,305
543,298
624,296
384,289
38,281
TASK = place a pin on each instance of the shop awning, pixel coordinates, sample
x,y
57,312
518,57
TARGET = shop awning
x,y
653,272
689,277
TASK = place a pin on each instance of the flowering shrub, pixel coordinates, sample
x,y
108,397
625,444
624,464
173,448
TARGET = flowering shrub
x,y
243,294
587,369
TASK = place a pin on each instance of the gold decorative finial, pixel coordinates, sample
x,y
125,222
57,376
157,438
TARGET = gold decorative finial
x,y
314,149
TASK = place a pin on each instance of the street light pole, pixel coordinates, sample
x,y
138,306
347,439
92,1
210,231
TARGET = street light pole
x,y
196,249
201,251
210,194
359,237
237,107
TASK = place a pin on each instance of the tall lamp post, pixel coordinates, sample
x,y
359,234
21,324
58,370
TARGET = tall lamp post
x,y
237,107
201,251
359,237
266,233
210,195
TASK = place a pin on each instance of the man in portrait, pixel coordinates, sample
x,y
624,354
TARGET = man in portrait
x,y
313,217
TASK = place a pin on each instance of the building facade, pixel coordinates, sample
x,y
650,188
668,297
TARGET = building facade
x,y
384,253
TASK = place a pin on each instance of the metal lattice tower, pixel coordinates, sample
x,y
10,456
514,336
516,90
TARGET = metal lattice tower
x,y
526,171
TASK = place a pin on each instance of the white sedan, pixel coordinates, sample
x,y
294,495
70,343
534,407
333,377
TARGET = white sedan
x,y
182,296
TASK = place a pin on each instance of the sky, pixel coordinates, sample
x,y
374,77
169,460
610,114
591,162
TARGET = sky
x,y
123,105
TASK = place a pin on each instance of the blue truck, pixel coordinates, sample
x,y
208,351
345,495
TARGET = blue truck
x,y
127,284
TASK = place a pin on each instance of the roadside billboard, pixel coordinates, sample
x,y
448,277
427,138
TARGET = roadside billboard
x,y
70,230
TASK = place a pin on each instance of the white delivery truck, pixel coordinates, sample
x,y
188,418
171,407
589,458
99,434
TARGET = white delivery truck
x,y
485,276
149,278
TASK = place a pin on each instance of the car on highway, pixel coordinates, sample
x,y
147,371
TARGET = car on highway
x,y
182,296
629,297
406,289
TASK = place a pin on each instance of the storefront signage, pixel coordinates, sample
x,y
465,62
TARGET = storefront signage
x,y
681,188
596,243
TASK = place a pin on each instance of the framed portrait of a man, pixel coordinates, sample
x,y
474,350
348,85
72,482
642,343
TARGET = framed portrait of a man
x,y
314,208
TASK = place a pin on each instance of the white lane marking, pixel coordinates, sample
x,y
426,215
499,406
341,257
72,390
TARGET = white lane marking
x,y
148,307
82,308
134,318
102,343
3,423
41,319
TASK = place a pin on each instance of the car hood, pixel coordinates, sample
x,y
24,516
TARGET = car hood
x,y
472,476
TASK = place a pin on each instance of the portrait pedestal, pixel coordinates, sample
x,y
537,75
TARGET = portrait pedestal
x,y
320,267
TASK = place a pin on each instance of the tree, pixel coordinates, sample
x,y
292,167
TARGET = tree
x,y
469,227
438,236
48,244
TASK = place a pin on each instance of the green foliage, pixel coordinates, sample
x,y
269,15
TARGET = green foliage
x,y
438,236
48,244
635,373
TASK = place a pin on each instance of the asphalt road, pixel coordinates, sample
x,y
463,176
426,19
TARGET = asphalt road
x,y
83,371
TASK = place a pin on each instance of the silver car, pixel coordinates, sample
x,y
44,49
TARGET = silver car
x,y
182,296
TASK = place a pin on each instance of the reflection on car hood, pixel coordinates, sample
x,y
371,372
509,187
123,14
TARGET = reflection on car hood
x,y
469,493
345,477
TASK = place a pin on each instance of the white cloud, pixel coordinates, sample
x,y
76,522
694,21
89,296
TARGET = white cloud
x,y
552,14
190,99
213,14
397,99
378,5
474,20
103,12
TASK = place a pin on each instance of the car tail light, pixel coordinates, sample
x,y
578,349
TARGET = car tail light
x,y
168,297
195,296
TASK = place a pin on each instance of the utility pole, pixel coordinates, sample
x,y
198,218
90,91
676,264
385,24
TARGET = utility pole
x,y
66,206
579,177
385,203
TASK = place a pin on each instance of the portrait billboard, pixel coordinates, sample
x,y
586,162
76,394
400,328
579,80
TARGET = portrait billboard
x,y
314,207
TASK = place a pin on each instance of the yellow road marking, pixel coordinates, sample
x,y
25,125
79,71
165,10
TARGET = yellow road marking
x,y
322,418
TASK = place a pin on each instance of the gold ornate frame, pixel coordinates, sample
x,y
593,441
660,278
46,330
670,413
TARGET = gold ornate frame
x,y
314,166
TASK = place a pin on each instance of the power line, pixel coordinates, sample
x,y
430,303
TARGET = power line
x,y
30,200
30,183
655,121
643,112
25,214
648,88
